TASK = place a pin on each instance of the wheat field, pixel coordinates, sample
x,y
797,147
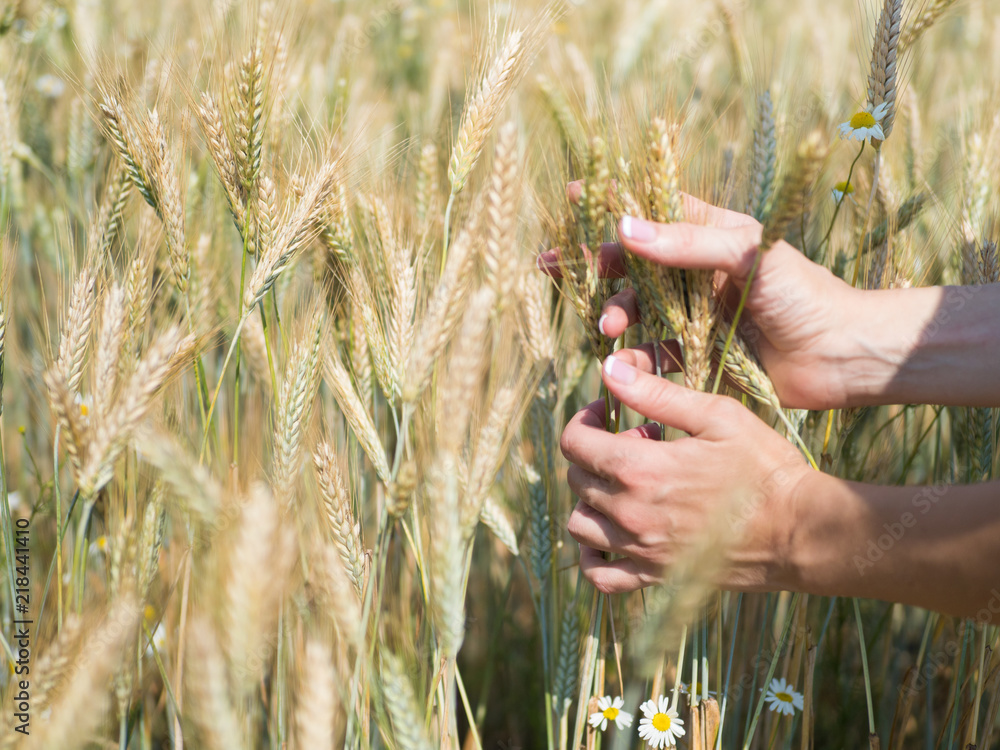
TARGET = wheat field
x,y
283,384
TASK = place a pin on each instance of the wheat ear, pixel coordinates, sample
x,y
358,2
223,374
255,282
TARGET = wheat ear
x,y
885,53
77,329
295,401
344,530
316,697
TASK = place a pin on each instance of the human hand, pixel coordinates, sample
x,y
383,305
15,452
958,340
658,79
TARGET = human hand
x,y
801,319
651,501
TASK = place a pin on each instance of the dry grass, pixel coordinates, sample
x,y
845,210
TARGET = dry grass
x,y
282,386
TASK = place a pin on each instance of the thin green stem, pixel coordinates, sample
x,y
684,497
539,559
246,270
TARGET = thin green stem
x,y
836,211
864,667
979,685
468,709
218,387
736,321
239,351
771,668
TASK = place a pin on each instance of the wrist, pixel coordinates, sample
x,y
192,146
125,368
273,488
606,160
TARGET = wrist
x,y
822,518
882,335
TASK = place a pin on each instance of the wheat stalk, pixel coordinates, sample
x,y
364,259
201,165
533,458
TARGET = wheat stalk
x,y
923,21
442,315
493,517
346,532
301,226
109,347
295,401
885,53
83,703
316,697
483,108
407,724
763,158
488,455
113,431
212,710
254,577
76,331
221,152
356,414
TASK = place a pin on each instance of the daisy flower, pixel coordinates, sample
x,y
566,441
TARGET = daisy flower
x,y
865,124
781,697
841,189
101,545
660,726
611,710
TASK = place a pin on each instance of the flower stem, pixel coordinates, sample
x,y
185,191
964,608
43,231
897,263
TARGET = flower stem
x,y
789,618
736,322
840,203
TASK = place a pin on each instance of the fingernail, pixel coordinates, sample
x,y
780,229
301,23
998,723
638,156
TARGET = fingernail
x,y
600,324
620,372
639,230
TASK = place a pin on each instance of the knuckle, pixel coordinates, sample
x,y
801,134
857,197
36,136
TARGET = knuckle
x,y
569,444
574,525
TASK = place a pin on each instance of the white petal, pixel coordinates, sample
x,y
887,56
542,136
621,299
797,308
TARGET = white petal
x,y
877,132
618,702
880,111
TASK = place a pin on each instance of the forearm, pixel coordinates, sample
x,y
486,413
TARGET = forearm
x,y
934,547
934,345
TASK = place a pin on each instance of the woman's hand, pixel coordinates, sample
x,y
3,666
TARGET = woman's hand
x,y
803,321
733,480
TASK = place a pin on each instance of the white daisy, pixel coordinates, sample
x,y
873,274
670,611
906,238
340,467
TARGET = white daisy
x,y
50,86
660,726
611,710
159,641
865,124
781,697
100,546
841,189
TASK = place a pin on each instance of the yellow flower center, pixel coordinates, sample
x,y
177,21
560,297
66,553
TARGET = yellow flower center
x,y
84,410
611,713
844,187
783,697
863,120
661,722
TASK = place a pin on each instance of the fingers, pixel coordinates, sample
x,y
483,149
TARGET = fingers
x,y
620,313
644,357
610,262
684,245
660,400
611,577
697,210
595,491
593,529
586,443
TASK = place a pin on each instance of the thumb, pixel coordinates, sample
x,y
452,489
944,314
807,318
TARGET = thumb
x,y
658,399
684,245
